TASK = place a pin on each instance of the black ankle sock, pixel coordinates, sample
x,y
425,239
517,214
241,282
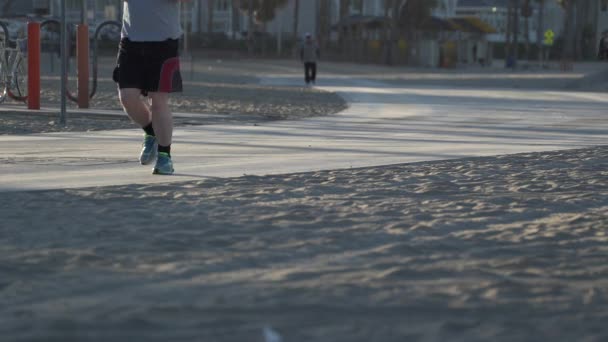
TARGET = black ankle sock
x,y
149,130
165,149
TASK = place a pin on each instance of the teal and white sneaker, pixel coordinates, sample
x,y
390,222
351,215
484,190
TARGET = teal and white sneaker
x,y
164,165
149,150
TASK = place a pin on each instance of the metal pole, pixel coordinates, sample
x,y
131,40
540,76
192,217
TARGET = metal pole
x,y
280,36
64,62
84,15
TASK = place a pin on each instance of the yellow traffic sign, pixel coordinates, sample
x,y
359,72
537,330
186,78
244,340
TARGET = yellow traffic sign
x,y
549,35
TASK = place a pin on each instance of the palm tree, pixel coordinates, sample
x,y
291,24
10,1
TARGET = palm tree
x,y
260,11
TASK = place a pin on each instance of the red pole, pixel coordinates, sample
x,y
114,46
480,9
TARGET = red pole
x,y
33,65
83,66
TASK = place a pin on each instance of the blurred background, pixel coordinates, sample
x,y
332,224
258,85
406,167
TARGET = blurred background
x,y
427,33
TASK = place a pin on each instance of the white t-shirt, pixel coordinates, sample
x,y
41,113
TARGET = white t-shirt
x,y
151,20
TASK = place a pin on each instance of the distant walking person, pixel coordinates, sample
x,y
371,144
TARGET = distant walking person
x,y
309,55
148,66
474,53
602,52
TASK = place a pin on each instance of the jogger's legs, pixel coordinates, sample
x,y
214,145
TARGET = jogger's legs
x,y
162,119
159,113
135,107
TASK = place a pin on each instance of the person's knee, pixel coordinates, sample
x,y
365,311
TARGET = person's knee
x,y
129,99
160,103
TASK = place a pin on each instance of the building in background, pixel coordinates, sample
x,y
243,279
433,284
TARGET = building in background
x,y
97,10
22,8
494,12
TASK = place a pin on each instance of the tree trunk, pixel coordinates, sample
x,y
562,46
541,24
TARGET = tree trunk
x,y
568,46
210,9
527,28
395,27
344,30
236,24
250,28
540,33
296,17
581,22
516,33
344,8
509,31
386,34
584,26
324,23
264,42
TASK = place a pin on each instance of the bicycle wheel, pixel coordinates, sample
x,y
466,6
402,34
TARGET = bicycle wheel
x,y
20,77
3,81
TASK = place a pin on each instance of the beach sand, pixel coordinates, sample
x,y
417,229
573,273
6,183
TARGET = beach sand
x,y
506,248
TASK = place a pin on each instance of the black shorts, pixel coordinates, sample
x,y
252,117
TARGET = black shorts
x,y
148,66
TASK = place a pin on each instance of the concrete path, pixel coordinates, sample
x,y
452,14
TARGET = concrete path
x,y
385,124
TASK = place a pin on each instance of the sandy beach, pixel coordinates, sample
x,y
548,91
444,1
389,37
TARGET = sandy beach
x,y
507,248
510,247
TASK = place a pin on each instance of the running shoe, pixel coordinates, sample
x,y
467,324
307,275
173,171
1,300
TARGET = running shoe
x,y
149,150
164,165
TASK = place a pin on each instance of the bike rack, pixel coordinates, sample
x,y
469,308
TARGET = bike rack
x,y
6,40
95,56
95,48
6,32
47,22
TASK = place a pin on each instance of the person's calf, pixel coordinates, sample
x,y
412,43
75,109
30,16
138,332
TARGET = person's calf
x,y
162,119
135,107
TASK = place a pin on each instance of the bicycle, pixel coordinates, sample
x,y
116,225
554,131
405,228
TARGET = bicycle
x,y
13,69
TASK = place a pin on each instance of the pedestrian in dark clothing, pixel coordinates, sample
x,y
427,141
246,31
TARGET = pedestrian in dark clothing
x,y
602,52
309,55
